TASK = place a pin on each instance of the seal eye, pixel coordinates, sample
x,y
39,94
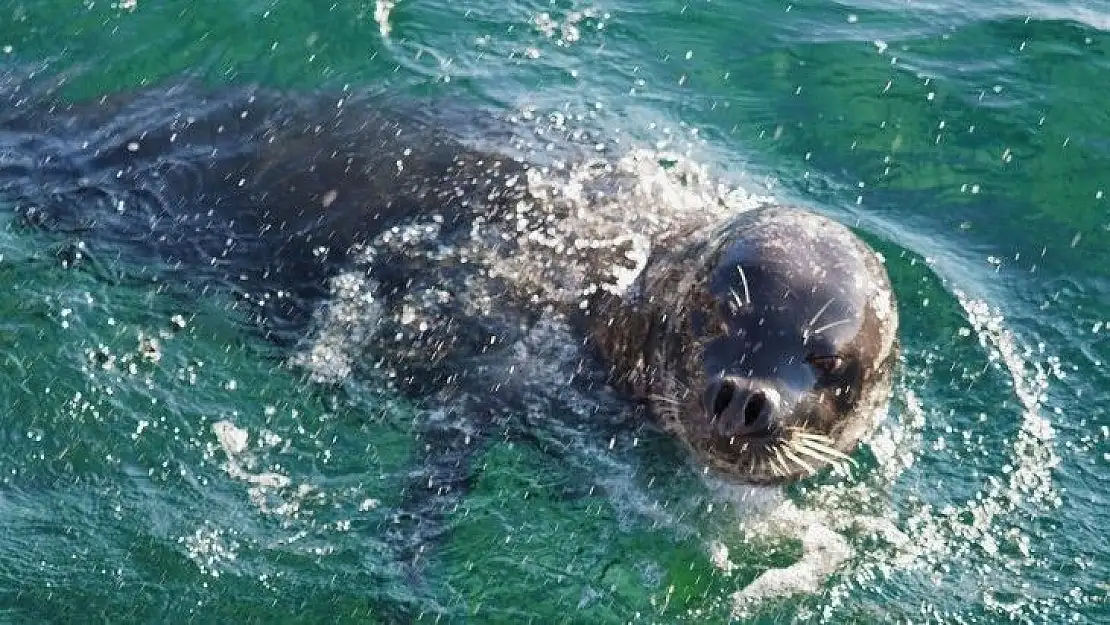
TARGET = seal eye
x,y
828,365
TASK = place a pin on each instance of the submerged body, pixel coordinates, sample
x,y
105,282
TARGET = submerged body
x,y
383,244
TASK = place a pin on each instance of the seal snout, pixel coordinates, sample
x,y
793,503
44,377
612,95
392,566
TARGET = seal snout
x,y
740,407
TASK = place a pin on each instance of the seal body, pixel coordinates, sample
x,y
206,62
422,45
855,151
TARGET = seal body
x,y
761,340
266,195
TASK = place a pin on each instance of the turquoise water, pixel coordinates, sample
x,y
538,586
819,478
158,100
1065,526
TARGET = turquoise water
x,y
969,143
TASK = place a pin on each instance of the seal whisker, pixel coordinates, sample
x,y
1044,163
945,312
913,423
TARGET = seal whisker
x,y
826,449
813,322
780,459
815,443
775,468
744,281
834,463
812,453
788,451
805,433
772,461
736,298
831,325
804,437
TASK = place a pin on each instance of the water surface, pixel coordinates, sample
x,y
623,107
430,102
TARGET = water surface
x,y
970,143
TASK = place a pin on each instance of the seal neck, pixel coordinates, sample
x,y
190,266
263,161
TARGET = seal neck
x,y
636,331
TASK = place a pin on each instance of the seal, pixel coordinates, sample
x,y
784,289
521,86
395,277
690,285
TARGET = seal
x,y
763,341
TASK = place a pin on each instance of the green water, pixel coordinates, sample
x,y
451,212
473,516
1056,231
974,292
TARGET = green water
x,y
969,142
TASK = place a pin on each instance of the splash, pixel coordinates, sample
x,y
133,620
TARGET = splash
x,y
980,528
611,213
349,320
578,228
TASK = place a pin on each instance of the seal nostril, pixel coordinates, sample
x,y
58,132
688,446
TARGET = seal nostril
x,y
754,408
725,392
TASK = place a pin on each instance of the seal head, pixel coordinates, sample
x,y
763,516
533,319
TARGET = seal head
x,y
766,345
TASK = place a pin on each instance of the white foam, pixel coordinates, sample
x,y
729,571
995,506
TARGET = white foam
x,y
349,321
823,553
597,212
234,441
269,490
211,548
566,30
